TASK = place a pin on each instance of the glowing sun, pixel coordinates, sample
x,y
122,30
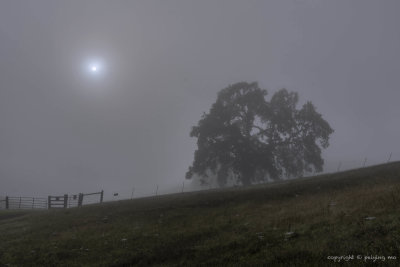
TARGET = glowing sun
x,y
94,67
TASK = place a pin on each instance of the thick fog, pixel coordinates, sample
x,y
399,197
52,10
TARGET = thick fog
x,y
67,129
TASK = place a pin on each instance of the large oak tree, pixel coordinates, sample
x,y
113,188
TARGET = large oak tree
x,y
248,139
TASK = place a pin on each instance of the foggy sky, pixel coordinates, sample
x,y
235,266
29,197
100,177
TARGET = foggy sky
x,y
64,131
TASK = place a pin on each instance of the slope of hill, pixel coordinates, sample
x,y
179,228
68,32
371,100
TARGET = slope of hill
x,y
352,217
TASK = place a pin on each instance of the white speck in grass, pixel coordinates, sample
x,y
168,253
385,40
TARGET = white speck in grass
x,y
289,235
370,218
124,239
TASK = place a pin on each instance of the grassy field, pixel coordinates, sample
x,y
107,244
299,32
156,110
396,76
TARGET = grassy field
x,y
303,222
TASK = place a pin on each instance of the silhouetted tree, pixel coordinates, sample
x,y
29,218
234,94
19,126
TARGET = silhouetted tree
x,y
248,139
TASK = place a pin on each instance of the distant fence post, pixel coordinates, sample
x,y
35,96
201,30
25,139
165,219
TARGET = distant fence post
x,y
183,186
49,202
65,201
101,196
7,203
133,191
80,200
365,161
390,156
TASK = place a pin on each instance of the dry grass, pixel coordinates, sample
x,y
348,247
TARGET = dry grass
x,y
292,223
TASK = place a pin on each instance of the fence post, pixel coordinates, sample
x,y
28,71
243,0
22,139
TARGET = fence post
x,y
33,202
80,200
7,203
365,161
157,191
49,202
65,201
101,196
390,156
183,186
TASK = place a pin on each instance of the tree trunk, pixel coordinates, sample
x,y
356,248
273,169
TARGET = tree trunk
x,y
247,177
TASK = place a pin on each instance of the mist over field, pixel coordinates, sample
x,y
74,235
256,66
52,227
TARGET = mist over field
x,y
102,95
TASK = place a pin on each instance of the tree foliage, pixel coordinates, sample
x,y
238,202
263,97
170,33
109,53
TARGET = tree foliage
x,y
248,139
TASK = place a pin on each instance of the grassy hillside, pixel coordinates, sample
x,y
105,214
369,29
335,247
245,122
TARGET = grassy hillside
x,y
294,223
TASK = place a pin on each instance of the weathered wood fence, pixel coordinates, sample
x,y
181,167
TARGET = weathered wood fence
x,y
51,202
98,194
23,203
57,201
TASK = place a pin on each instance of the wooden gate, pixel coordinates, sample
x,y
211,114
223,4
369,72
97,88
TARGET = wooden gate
x,y
57,201
81,197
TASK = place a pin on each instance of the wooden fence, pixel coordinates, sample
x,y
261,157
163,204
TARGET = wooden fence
x,y
51,202
96,198
23,203
73,201
57,202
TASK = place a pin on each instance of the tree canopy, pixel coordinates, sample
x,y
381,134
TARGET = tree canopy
x,y
248,139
